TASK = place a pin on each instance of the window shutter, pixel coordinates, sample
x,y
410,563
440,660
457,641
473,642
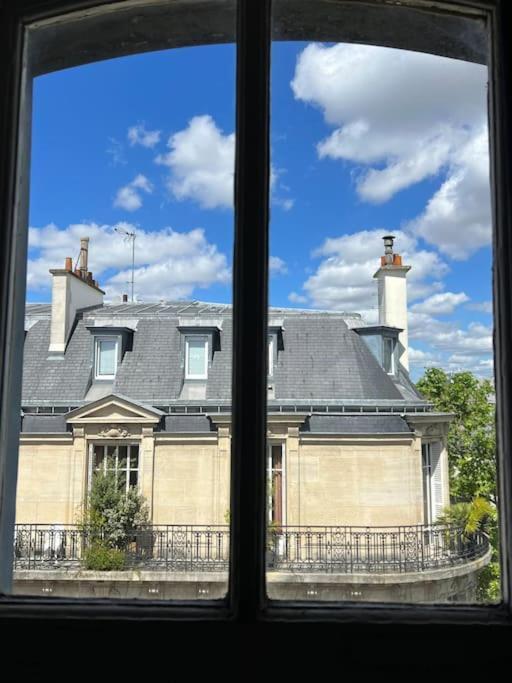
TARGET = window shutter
x,y
437,479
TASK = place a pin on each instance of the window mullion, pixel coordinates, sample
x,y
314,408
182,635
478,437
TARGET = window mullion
x,y
250,278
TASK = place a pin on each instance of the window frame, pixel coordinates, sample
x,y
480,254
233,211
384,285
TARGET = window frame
x,y
97,353
246,601
188,339
92,468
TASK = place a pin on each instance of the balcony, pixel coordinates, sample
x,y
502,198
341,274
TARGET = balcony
x,y
292,549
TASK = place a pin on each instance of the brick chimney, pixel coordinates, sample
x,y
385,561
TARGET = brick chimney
x,y
392,293
71,292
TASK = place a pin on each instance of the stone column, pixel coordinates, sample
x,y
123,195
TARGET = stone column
x,y
79,475
147,466
293,478
222,476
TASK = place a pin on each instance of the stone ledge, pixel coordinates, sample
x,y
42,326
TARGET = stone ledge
x,y
273,577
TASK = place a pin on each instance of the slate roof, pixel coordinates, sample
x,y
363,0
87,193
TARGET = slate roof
x,y
323,359
43,424
356,424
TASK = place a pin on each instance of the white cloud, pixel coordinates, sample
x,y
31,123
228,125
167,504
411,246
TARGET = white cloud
x,y
285,204
169,264
297,298
116,152
457,218
344,278
441,304
404,117
202,164
277,266
201,160
419,359
481,306
129,197
138,135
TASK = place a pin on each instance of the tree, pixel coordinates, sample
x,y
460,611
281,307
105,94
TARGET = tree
x,y
471,455
108,521
472,436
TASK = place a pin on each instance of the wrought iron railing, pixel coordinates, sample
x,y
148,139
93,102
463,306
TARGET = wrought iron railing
x,y
351,550
325,549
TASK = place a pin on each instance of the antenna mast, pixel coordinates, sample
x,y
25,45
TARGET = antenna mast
x,y
130,236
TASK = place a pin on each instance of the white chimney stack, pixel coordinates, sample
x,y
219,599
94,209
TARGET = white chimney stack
x,y
392,292
71,292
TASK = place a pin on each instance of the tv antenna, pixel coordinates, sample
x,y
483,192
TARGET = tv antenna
x,y
129,237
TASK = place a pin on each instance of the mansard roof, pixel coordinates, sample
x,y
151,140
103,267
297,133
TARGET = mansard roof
x,y
322,358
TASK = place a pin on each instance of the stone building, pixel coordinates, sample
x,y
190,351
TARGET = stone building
x,y
357,459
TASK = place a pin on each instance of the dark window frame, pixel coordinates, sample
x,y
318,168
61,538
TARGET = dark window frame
x,y
246,601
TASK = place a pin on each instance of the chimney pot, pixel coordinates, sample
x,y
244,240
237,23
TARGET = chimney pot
x,y
84,256
125,298
388,248
68,264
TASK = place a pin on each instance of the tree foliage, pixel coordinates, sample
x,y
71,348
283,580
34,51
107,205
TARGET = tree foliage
x,y
108,521
472,436
472,459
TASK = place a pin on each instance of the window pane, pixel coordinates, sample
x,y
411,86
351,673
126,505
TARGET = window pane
x,y
380,287
98,457
122,450
388,355
196,357
136,144
134,457
107,357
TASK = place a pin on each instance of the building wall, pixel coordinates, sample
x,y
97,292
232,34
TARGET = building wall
x,y
51,479
355,482
185,478
190,482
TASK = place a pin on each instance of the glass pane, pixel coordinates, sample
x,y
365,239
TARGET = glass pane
x,y
107,357
388,355
98,457
134,457
144,147
380,229
122,457
121,480
196,357
111,457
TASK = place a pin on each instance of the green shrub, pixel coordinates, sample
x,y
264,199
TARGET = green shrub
x,y
100,557
470,517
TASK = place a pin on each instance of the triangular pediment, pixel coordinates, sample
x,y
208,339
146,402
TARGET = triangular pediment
x,y
114,408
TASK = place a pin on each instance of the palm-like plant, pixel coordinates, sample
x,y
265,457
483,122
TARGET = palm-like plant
x,y
469,517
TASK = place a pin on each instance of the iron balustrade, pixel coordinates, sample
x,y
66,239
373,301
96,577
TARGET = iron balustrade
x,y
325,549
352,550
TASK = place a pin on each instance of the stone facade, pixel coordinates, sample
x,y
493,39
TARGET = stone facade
x,y
330,479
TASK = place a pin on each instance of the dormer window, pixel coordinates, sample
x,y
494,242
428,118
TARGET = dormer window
x,y
388,355
196,357
105,357
382,340
270,367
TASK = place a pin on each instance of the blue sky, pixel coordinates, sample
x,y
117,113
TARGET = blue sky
x,y
365,141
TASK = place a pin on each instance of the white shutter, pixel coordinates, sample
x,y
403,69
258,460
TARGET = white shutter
x,y
436,479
